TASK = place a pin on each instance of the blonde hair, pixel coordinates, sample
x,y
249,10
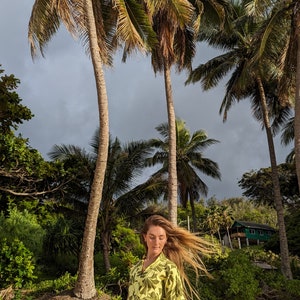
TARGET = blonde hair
x,y
182,247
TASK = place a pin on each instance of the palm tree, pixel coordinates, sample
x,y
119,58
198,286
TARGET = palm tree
x,y
213,220
124,165
227,221
119,195
172,21
43,24
76,160
100,24
284,18
252,79
64,237
190,161
176,24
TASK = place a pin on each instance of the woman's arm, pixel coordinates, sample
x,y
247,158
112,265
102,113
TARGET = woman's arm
x,y
173,286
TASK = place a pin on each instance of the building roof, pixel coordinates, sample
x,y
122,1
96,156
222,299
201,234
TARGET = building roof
x,y
264,265
252,225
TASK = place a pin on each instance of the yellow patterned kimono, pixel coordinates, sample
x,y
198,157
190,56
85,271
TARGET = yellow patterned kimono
x,y
159,281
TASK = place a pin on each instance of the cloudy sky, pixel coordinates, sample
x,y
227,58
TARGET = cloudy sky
x,y
60,91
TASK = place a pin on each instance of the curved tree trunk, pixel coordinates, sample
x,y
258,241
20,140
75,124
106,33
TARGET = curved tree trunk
x,y
284,252
172,182
85,284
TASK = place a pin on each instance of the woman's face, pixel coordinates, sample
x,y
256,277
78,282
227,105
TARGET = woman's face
x,y
155,239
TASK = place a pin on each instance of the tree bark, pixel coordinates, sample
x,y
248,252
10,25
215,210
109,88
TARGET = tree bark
x,y
284,252
85,284
172,168
229,238
106,244
192,202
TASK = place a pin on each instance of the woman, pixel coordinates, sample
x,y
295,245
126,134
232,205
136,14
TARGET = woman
x,y
161,274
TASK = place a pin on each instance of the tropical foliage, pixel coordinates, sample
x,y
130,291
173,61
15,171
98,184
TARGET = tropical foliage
x,y
257,185
251,78
101,26
44,204
190,162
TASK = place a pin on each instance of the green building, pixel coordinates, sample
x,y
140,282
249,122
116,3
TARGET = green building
x,y
250,233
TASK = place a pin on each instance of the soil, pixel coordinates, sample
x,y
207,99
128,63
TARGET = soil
x,y
68,295
8,294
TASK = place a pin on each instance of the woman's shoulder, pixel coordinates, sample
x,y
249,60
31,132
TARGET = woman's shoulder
x,y
137,265
166,261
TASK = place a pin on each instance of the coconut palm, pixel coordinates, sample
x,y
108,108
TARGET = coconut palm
x,y
44,22
100,24
251,79
172,21
124,165
213,221
176,24
284,18
76,160
190,162
227,221
120,195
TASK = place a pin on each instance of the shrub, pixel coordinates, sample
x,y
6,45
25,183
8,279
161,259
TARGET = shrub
x,y
24,227
238,274
126,240
293,289
234,278
127,251
16,264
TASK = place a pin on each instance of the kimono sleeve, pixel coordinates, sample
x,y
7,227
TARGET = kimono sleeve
x,y
173,289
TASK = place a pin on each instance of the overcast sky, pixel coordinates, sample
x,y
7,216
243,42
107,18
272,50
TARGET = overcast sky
x,y
60,91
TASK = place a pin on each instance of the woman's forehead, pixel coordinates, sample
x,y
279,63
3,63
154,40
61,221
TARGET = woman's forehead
x,y
156,230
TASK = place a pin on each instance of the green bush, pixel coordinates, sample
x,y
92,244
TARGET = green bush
x,y
295,265
64,236
127,251
16,264
206,289
239,277
24,227
234,278
275,286
116,280
126,240
292,288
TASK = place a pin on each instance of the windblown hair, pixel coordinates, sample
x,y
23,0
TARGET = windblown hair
x,y
183,248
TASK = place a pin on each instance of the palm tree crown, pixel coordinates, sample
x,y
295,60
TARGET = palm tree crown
x,y
254,77
190,161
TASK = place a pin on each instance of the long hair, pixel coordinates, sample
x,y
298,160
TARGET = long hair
x,y
183,248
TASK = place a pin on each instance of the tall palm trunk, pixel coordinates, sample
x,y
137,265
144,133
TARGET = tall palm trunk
x,y
192,202
106,232
284,252
297,102
172,180
106,245
85,284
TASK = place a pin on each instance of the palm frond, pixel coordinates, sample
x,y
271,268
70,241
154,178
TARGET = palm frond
x,y
287,135
133,27
45,21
